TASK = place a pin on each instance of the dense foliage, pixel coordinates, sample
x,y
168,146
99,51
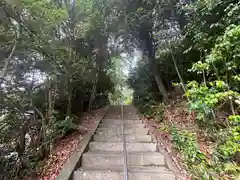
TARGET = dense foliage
x,y
197,49
55,63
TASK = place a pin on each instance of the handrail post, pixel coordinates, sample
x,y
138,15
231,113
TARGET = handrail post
x,y
125,166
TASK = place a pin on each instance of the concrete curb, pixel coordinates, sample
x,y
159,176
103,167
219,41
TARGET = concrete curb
x,y
72,163
161,149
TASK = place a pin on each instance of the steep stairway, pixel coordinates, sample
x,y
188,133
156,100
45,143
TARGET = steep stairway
x,y
105,158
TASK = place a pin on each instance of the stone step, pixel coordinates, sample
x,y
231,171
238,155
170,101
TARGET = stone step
x,y
114,121
117,146
124,117
118,138
104,125
118,113
144,169
132,112
113,117
106,160
138,174
118,130
131,116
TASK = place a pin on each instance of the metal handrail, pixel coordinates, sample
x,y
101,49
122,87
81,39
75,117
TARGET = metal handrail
x,y
125,166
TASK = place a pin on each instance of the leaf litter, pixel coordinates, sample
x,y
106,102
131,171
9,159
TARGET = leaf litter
x,y
64,148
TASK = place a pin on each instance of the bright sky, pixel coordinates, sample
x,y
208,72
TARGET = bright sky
x,y
129,62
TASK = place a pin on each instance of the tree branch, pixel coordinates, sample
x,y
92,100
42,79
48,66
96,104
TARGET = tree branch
x,y
7,62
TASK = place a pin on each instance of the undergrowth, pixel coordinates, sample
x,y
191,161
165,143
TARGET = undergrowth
x,y
223,163
198,164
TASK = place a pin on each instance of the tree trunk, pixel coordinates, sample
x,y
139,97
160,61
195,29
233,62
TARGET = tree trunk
x,y
69,107
7,62
93,92
151,55
159,81
178,73
176,68
22,139
161,87
42,135
48,97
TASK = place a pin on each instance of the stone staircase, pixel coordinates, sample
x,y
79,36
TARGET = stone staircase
x,y
104,159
